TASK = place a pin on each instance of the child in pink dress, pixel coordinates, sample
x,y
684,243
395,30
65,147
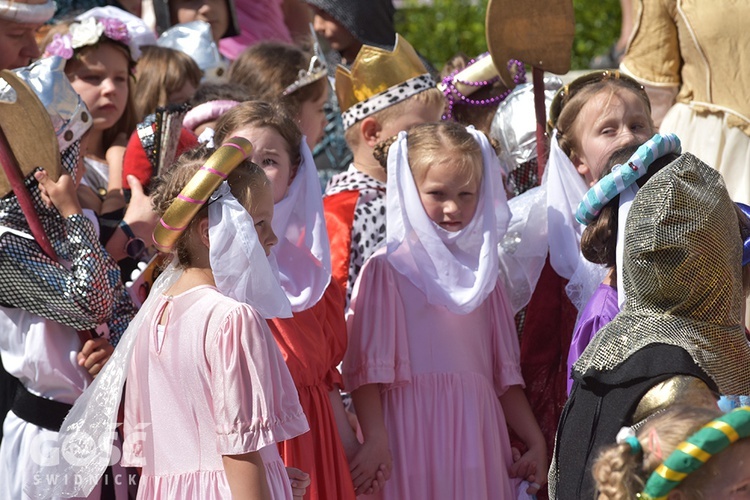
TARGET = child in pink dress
x,y
209,394
433,357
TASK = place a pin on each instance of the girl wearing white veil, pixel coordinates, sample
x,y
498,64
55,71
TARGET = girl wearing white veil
x,y
433,359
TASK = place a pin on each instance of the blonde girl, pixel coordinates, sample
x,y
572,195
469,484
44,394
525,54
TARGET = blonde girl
x,y
202,369
626,470
433,360
313,340
542,265
243,378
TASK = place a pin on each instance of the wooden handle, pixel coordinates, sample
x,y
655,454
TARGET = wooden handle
x,y
13,173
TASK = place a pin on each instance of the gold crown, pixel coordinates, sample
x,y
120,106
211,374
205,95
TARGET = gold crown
x,y
375,70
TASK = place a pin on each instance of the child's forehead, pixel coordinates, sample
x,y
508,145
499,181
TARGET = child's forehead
x,y
449,167
100,56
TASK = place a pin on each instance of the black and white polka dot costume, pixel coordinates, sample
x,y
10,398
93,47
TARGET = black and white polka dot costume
x,y
367,223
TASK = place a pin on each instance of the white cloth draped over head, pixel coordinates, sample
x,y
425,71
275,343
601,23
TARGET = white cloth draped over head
x,y
240,267
457,270
303,253
544,218
86,436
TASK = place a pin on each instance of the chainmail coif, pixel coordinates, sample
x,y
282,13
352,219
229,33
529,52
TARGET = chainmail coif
x,y
682,277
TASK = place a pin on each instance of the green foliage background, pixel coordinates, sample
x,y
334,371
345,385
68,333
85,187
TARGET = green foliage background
x,y
446,27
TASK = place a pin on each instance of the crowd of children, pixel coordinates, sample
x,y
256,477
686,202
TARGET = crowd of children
x,y
185,314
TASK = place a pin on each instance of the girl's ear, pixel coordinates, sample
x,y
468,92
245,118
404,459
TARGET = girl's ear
x,y
370,130
294,172
203,231
582,169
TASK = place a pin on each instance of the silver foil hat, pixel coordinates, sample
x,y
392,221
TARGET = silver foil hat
x,y
46,77
25,12
195,39
514,124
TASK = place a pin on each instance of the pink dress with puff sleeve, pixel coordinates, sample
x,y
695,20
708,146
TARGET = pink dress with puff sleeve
x,y
211,382
441,374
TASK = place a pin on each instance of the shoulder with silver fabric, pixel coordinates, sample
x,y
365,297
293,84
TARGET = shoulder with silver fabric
x,y
680,388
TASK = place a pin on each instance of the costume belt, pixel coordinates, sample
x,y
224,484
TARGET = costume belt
x,y
42,412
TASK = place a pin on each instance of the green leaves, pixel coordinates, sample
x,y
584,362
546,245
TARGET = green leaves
x,y
444,27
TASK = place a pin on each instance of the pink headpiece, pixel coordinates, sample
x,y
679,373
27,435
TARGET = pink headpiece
x,y
206,112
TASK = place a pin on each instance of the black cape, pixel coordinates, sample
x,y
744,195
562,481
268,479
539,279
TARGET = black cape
x,y
602,402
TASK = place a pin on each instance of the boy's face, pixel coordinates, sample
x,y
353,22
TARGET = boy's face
x,y
339,38
214,12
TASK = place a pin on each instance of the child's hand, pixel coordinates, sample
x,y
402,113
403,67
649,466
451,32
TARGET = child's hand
x,y
140,214
372,462
94,354
300,481
531,466
61,194
379,482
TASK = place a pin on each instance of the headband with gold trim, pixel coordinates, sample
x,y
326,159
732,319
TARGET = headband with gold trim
x,y
197,191
695,451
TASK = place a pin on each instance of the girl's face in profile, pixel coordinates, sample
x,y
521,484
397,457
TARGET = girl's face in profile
x,y
271,153
100,77
607,122
449,195
262,214
312,119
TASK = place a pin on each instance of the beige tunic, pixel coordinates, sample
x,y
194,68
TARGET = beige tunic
x,y
700,46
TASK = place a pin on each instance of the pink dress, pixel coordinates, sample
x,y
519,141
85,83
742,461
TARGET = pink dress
x,y
211,383
441,375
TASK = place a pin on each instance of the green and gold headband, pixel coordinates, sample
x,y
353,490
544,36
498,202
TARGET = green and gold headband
x,y
196,193
695,451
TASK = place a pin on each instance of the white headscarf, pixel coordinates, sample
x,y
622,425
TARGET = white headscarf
x,y
565,190
456,270
303,253
240,267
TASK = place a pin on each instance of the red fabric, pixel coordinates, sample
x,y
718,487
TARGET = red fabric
x,y
547,332
313,343
339,213
136,161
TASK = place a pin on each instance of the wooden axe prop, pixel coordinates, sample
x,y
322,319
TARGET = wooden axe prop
x,y
27,141
539,33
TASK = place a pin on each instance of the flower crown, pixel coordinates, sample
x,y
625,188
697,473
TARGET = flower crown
x,y
88,32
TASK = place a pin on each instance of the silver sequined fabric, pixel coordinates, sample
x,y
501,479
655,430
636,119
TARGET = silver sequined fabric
x,y
84,296
683,277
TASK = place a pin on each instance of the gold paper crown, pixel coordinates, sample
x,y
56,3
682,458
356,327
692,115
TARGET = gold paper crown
x,y
375,70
